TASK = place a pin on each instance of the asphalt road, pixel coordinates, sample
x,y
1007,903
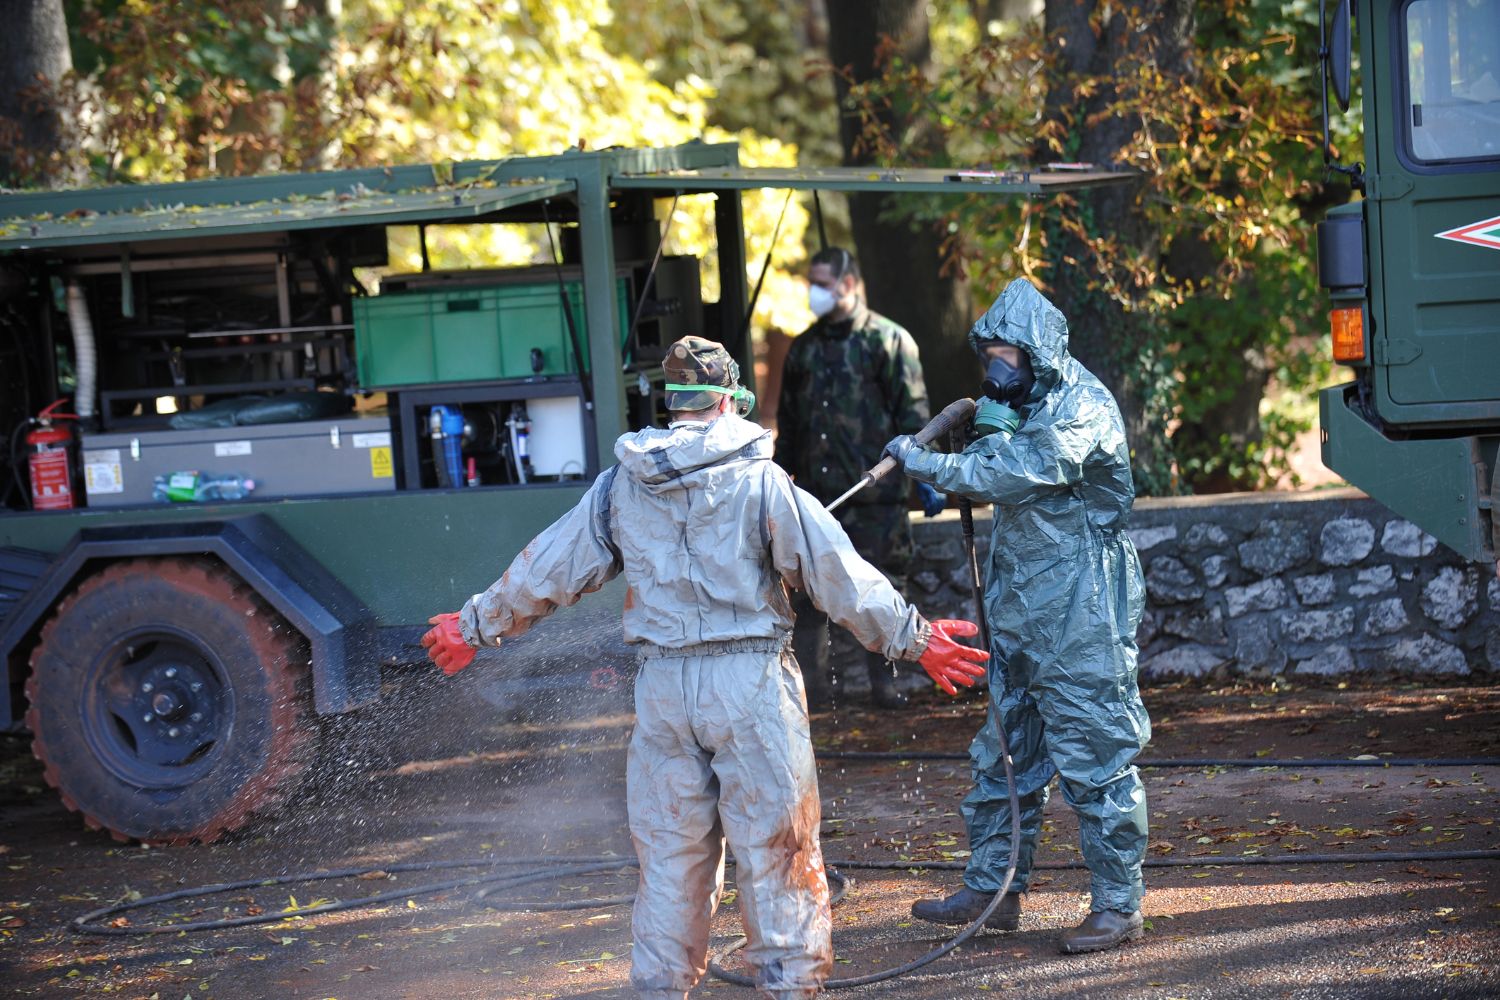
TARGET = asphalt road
x,y
437,773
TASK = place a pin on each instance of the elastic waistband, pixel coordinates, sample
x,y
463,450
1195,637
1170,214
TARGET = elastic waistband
x,y
651,651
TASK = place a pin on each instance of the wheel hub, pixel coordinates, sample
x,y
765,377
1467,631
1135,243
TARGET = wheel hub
x,y
178,706
167,705
161,711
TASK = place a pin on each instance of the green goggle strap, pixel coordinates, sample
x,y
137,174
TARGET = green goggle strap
x,y
744,397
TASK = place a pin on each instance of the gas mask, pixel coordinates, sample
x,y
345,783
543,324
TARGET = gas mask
x,y
1008,385
821,301
1004,389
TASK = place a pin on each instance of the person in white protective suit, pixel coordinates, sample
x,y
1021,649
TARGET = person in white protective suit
x,y
709,534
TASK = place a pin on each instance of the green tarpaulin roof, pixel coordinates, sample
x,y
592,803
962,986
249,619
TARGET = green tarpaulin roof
x,y
358,206
940,180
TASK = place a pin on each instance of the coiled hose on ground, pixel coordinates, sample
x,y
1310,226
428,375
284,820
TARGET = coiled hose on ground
x,y
503,876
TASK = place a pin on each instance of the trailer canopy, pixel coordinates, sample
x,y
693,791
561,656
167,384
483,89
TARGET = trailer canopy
x,y
334,207
909,180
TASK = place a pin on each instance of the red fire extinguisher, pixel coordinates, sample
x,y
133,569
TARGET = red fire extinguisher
x,y
50,447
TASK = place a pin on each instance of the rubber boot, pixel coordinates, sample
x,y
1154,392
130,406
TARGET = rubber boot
x,y
965,906
1101,930
883,690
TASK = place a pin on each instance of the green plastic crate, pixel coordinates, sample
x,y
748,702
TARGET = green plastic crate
x,y
471,334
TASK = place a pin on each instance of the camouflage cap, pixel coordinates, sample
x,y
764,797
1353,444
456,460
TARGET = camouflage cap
x,y
695,361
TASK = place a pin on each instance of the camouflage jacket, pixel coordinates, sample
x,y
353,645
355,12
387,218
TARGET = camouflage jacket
x,y
846,389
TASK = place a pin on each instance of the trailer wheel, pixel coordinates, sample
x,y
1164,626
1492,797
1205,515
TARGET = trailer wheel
x,y
168,702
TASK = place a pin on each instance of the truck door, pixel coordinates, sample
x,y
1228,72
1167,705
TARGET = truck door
x,y
1436,196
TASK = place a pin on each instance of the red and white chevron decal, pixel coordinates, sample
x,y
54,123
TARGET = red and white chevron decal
x,y
1479,234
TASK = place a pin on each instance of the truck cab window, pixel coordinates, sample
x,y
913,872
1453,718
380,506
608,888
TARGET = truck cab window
x,y
1453,79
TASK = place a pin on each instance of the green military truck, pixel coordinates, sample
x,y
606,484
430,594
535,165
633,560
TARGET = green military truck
x,y
271,474
1413,268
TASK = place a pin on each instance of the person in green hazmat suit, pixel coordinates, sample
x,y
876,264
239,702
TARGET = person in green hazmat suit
x,y
709,534
1063,597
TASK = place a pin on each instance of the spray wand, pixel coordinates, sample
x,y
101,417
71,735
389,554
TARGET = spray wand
x,y
954,416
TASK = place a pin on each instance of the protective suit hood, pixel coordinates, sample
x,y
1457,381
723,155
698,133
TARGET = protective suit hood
x,y
686,455
1024,317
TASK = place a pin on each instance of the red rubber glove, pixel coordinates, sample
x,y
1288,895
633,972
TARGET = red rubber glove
x,y
445,644
949,662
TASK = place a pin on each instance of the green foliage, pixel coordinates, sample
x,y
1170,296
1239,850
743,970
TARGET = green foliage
x,y
174,91
763,75
245,85
170,91
758,57
1220,346
1221,299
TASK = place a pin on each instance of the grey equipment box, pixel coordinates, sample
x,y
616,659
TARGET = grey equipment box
x,y
347,455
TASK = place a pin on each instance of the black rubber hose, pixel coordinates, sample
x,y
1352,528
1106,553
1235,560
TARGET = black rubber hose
x,y
1214,861
556,867
563,867
15,465
1143,763
582,866
966,515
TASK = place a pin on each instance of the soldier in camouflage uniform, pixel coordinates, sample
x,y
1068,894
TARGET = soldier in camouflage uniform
x,y
849,382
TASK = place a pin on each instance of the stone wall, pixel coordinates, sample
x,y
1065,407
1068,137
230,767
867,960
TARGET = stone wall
x,y
1325,583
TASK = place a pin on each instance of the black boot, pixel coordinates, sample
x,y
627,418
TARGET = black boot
x,y
965,906
883,690
1101,930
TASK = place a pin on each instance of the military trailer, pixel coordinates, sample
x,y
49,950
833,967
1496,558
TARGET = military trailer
x,y
271,474
1413,268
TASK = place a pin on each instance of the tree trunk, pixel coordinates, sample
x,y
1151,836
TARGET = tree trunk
x,y
325,154
902,261
1093,41
34,128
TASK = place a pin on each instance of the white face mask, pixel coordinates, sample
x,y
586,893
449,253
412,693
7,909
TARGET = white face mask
x,y
821,301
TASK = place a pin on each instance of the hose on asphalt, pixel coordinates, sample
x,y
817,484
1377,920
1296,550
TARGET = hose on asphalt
x,y
103,920
96,922
108,920
1196,762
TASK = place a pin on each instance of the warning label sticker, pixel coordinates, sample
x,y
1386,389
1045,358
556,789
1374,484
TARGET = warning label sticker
x,y
102,473
380,463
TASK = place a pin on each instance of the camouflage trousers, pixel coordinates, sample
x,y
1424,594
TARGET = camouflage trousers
x,y
881,534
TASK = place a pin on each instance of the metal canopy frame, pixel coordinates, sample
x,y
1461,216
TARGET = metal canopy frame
x,y
912,180
585,184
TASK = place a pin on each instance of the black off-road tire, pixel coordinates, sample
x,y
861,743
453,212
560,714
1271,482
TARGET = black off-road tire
x,y
169,703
